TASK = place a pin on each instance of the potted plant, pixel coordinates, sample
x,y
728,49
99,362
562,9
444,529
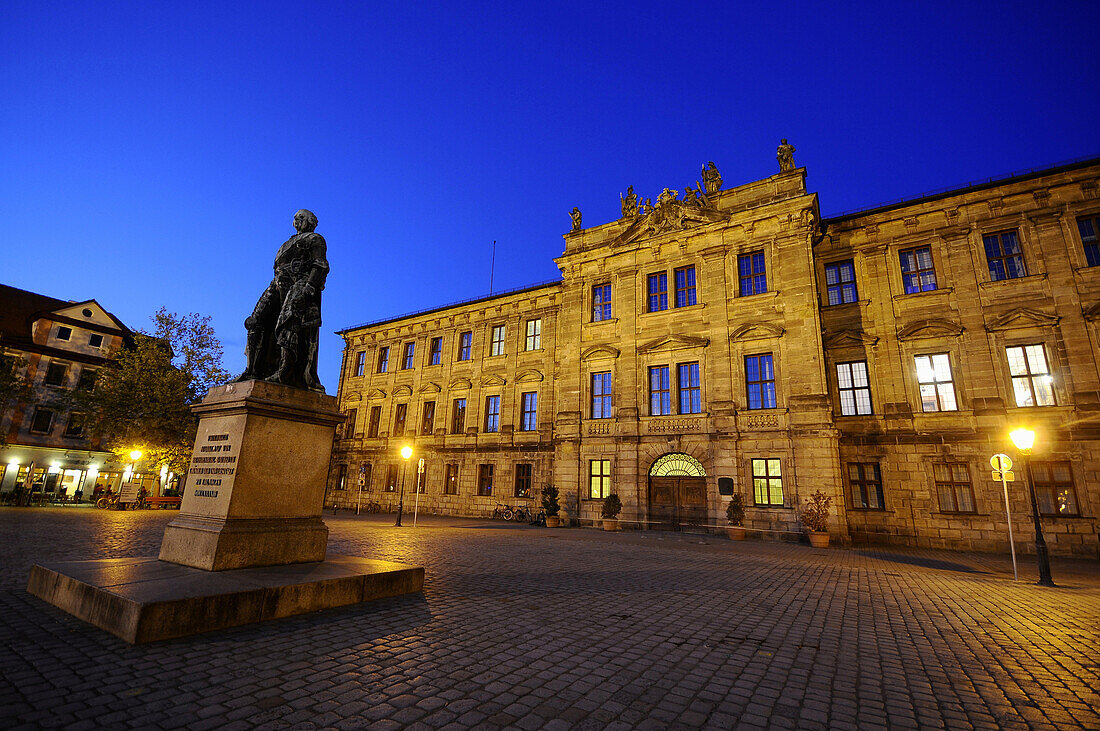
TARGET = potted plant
x,y
735,514
815,516
612,506
550,505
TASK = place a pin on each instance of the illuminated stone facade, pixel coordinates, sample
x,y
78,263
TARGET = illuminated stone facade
x,y
880,357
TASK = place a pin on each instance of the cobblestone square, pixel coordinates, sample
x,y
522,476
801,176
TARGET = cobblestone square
x,y
530,628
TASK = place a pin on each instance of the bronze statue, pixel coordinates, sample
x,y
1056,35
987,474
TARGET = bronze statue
x,y
284,329
785,155
629,203
711,178
575,214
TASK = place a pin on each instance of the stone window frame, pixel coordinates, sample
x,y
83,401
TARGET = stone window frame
x,y
690,290
533,340
375,422
92,342
930,353
458,415
497,345
366,470
999,232
1025,343
953,484
1093,218
525,412
837,263
862,486
427,419
360,366
751,464
660,294
51,368
918,272
598,476
450,478
390,485
408,355
489,413
524,479
400,409
854,389
607,405
1046,488
485,479
774,380
349,423
604,305
752,276
464,350
382,363
667,393
697,388
435,354
64,333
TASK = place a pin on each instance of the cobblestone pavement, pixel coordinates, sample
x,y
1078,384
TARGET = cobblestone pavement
x,y
532,628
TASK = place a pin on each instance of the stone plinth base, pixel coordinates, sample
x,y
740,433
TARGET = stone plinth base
x,y
217,544
144,599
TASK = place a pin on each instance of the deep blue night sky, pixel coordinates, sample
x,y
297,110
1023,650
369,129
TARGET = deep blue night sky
x,y
154,154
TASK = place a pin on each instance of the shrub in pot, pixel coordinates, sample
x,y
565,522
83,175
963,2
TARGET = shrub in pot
x,y
550,505
612,506
735,515
815,517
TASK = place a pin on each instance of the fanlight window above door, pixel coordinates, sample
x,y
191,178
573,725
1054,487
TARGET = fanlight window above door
x,y
677,465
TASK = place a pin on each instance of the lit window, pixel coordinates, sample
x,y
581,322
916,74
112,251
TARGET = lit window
x,y
937,388
436,352
854,387
865,480
601,395
767,482
407,361
360,362
750,270
953,485
1054,491
918,274
391,478
657,288
450,480
685,286
687,380
485,479
465,342
760,381
1031,379
523,480
1089,228
458,416
496,347
601,302
529,419
1004,256
660,397
492,413
383,359
534,334
840,282
427,423
599,478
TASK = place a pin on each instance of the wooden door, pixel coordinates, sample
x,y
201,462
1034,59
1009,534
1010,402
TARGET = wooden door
x,y
677,502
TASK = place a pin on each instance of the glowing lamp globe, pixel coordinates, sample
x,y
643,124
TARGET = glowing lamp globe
x,y
406,452
1024,439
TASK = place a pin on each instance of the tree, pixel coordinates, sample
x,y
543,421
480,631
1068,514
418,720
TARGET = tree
x,y
143,397
13,383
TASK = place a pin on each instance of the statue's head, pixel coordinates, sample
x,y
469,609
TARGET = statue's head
x,y
783,141
305,221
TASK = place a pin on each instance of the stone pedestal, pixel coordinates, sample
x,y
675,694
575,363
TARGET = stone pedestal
x,y
256,483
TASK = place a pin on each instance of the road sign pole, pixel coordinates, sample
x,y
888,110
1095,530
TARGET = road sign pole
x,y
1011,540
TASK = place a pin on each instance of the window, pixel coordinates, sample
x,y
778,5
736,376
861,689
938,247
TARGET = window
x,y
399,413
375,421
1003,254
407,360
450,479
685,286
458,416
485,479
95,340
599,478
1031,379
427,423
660,399
601,302
750,270
435,353
342,477
75,427
349,425
64,333
55,374
1054,488
767,482
854,387
391,478
42,421
87,379
523,480
865,479
840,282
465,342
383,359
918,274
534,334
657,287
687,380
529,418
497,346
360,362
492,413
937,390
953,486
601,395
1089,228
760,381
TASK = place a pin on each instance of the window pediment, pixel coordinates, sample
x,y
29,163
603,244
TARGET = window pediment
x,y
460,384
1092,314
375,393
1022,317
599,351
402,391
673,342
531,376
932,328
756,331
429,387
492,381
844,338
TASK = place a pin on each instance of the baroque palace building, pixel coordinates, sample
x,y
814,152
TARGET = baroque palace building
x,y
725,341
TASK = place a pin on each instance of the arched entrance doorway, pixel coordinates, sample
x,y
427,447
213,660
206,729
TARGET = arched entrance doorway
x,y
677,492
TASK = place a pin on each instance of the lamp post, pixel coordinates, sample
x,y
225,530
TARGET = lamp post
x,y
135,455
1024,439
406,452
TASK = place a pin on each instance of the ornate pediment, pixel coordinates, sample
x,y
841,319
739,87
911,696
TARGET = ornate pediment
x,y
673,342
1021,317
375,393
429,387
460,384
670,213
402,391
931,328
492,380
599,351
1092,314
531,376
756,331
846,338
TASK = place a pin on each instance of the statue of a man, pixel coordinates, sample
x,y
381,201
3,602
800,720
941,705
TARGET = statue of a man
x,y
629,203
711,178
785,155
284,329
575,214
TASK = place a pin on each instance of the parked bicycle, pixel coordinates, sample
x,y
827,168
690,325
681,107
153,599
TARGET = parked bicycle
x,y
109,500
522,514
372,506
503,512
540,519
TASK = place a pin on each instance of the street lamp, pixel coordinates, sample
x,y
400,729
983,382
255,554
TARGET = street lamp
x,y
1024,439
406,452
